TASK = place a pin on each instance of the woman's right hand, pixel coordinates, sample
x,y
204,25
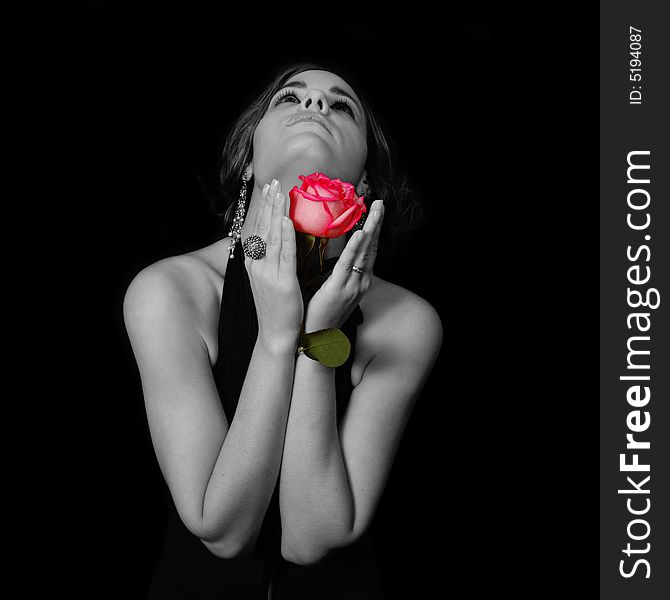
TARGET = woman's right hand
x,y
273,278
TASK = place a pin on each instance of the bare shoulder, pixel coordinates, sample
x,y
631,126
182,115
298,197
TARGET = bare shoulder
x,y
399,325
399,315
184,288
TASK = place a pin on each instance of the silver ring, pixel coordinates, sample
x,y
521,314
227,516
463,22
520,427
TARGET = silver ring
x,y
254,247
357,269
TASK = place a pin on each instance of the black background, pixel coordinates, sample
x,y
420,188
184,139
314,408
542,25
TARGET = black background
x,y
496,127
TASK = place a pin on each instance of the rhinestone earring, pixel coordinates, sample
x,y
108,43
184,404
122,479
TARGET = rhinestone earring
x,y
363,191
359,224
236,228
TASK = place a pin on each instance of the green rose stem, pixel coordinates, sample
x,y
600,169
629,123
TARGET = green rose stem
x,y
305,243
330,347
323,242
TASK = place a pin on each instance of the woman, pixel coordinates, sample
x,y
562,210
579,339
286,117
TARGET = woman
x,y
276,502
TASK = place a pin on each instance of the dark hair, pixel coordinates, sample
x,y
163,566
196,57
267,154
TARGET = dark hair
x,y
402,208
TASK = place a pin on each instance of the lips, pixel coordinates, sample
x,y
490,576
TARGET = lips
x,y
307,116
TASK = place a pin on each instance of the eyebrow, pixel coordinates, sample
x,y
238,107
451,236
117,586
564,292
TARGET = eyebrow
x,y
299,83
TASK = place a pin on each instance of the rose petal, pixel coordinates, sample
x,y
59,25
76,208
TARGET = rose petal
x,y
325,207
308,216
318,179
344,222
310,196
337,208
325,186
323,192
327,191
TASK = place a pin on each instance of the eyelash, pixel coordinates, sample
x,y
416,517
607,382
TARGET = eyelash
x,y
347,103
284,94
340,100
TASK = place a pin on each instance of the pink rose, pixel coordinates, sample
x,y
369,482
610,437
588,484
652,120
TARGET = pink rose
x,y
324,207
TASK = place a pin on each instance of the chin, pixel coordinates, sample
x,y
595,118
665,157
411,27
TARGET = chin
x,y
312,142
304,156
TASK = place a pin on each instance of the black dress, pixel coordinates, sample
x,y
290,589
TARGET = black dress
x,y
187,569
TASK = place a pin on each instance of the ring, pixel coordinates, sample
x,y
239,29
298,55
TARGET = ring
x,y
254,247
357,269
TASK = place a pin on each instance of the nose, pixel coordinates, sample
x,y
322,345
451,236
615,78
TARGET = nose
x,y
316,100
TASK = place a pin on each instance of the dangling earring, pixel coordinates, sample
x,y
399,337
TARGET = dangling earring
x,y
238,220
359,224
364,191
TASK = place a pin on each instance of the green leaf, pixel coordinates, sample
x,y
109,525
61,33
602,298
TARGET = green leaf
x,y
328,346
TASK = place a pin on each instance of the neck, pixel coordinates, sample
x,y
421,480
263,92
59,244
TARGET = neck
x,y
335,245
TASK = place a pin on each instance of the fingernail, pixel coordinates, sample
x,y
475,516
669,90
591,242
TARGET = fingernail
x,y
275,183
266,187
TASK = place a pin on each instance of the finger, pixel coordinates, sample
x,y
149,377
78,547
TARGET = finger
x,y
274,239
373,225
259,209
342,269
266,217
287,259
370,228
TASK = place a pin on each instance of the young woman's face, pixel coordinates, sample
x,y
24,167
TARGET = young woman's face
x,y
313,123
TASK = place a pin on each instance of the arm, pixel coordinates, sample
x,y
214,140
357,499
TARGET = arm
x,y
221,475
332,480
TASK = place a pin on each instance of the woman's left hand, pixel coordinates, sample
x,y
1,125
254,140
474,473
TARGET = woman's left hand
x,y
337,297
